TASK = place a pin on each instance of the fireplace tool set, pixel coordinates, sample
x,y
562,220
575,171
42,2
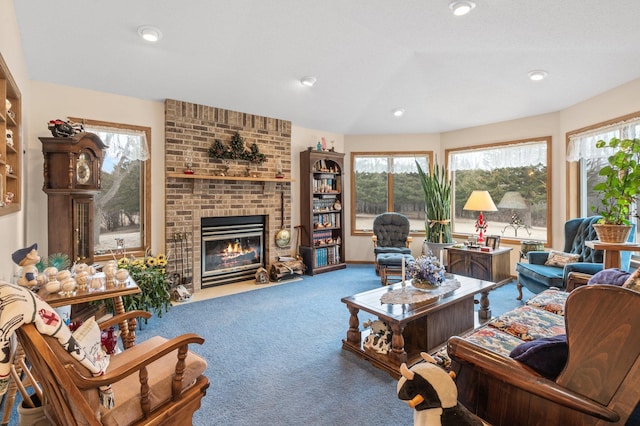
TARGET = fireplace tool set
x,y
183,274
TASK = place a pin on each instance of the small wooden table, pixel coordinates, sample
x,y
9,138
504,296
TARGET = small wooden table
x,y
416,328
493,265
109,291
612,251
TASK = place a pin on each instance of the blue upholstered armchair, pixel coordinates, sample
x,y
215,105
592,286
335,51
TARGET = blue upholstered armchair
x,y
390,235
537,276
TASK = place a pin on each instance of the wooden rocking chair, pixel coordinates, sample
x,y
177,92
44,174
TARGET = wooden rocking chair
x,y
156,382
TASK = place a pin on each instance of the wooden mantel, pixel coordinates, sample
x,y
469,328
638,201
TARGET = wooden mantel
x,y
216,177
269,183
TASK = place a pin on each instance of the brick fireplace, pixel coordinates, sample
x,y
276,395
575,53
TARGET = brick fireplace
x,y
190,129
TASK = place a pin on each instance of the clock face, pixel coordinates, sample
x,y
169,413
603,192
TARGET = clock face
x,y
83,170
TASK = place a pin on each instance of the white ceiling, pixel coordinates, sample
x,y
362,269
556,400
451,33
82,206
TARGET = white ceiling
x,y
369,56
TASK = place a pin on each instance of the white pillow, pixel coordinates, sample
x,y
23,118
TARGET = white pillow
x,y
88,337
559,258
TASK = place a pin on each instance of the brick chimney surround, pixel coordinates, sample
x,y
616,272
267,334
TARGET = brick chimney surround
x,y
190,130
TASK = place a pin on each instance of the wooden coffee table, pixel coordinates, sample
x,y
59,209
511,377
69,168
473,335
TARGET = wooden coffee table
x,y
422,327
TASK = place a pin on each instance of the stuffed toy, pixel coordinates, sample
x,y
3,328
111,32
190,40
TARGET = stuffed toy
x,y
64,129
380,338
27,258
432,393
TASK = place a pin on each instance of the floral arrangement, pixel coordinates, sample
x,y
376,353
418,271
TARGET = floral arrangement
x,y
426,269
149,273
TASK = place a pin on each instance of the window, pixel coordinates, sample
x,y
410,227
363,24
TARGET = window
x,y
387,182
582,149
516,175
122,217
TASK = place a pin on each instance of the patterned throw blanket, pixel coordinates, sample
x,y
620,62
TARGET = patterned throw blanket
x,y
19,306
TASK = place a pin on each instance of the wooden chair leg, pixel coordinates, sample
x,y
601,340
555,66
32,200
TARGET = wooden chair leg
x,y
519,287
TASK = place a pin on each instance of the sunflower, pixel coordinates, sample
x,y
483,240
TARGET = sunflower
x,y
151,262
123,262
162,260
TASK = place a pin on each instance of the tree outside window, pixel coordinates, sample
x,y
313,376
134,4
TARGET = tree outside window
x,y
516,174
387,182
121,213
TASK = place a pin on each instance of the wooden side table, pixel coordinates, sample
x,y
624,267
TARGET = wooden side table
x,y
494,265
612,251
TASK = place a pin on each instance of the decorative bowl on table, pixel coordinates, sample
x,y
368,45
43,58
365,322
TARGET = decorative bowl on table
x,y
426,273
424,285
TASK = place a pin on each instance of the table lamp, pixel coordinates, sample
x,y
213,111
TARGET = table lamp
x,y
514,201
480,201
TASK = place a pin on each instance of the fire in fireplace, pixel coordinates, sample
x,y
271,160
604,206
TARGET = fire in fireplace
x,y
232,248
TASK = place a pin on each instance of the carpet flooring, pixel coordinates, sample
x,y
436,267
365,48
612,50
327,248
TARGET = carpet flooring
x,y
275,358
275,354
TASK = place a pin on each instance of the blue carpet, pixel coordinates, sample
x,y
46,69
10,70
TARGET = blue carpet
x,y
275,354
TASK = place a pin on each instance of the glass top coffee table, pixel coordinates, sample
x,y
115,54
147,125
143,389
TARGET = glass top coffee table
x,y
417,327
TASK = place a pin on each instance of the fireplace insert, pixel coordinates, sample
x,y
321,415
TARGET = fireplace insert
x,y
232,248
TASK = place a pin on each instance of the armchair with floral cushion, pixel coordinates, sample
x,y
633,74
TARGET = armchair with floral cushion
x,y
562,358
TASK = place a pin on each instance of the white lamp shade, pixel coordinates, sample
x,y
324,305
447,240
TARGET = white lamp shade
x,y
480,201
512,200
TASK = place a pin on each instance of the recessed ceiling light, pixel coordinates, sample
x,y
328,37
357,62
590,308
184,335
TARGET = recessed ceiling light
x,y
537,75
461,7
398,112
151,34
308,81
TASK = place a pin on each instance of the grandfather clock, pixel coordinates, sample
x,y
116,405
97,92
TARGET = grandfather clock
x,y
71,180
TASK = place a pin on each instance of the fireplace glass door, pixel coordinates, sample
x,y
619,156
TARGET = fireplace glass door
x,y
232,249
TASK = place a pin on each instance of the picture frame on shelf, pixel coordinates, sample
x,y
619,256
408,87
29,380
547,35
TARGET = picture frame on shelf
x,y
492,241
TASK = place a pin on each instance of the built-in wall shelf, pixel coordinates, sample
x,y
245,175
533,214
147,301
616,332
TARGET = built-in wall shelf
x,y
10,142
216,177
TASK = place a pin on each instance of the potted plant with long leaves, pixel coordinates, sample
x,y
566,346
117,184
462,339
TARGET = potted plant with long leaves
x,y
619,190
437,207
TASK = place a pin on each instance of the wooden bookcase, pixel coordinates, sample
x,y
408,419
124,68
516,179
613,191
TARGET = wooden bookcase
x,y
321,212
10,143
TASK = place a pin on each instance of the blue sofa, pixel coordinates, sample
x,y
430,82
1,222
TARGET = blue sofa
x,y
537,277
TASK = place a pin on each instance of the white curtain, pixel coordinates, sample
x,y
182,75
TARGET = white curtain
x,y
131,144
521,155
583,145
391,163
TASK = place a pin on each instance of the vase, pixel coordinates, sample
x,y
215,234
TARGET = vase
x,y
437,250
424,285
612,233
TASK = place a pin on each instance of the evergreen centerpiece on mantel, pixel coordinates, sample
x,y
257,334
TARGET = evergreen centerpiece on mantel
x,y
619,190
236,150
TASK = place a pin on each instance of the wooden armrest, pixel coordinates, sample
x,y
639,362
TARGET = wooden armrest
x,y
135,364
375,241
408,242
517,375
577,279
117,319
